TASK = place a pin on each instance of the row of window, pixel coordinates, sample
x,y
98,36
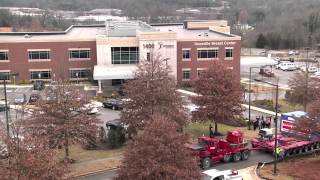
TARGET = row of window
x,y
207,53
34,75
45,55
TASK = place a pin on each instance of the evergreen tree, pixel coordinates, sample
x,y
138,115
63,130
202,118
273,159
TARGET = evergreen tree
x,y
261,41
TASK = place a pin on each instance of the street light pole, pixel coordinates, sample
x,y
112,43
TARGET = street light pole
x,y
276,133
4,78
250,80
249,123
6,105
276,127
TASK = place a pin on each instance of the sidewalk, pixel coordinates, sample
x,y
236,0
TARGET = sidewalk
x,y
189,93
249,173
94,166
281,86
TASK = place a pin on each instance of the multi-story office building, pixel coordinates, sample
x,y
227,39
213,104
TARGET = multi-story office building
x,y
109,53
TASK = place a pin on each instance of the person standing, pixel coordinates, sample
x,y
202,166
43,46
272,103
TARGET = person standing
x,y
211,134
255,123
259,123
263,122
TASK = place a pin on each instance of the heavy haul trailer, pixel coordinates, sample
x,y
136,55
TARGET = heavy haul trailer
x,y
290,141
210,150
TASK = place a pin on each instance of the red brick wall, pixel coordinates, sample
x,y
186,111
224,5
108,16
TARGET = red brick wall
x,y
59,55
194,63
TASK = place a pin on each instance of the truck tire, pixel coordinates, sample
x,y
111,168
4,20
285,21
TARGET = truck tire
x,y
245,155
227,158
236,157
206,163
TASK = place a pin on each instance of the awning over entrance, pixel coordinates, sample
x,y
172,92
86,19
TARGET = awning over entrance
x,y
114,72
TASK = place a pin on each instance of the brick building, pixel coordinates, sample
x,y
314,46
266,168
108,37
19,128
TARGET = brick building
x,y
109,53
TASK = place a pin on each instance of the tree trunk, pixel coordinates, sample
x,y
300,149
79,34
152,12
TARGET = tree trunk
x,y
216,128
66,149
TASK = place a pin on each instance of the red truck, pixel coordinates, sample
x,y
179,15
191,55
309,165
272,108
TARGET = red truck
x,y
289,141
210,150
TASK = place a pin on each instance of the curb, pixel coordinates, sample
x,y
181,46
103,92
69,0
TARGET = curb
x,y
91,173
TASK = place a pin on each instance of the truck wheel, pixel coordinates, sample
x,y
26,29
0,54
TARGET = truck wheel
x,y
227,157
245,155
206,163
236,157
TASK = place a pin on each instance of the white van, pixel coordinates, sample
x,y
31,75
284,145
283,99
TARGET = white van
x,y
287,66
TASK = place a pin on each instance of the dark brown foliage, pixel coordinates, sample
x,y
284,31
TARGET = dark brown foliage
x,y
303,88
64,120
159,153
312,121
30,159
220,96
152,90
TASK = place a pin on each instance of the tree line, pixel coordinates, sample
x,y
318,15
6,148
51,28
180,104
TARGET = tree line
x,y
284,24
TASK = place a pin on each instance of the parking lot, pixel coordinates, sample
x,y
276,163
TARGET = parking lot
x,y
281,76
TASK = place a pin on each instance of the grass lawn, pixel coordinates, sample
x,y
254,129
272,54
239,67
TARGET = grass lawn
x,y
198,129
81,155
306,167
284,105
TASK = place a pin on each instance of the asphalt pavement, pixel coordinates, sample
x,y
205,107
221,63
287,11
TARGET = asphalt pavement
x,y
254,159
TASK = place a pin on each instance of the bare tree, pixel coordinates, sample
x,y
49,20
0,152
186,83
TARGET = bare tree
x,y
64,118
29,158
152,90
219,97
159,153
303,88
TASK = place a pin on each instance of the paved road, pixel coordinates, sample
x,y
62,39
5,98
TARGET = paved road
x,y
254,159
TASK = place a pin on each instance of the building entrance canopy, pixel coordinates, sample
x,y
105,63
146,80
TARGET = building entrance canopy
x,y
107,72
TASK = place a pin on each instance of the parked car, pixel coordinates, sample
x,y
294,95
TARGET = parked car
x,y
311,69
115,104
34,98
3,150
38,85
287,66
316,75
20,99
91,108
214,174
2,106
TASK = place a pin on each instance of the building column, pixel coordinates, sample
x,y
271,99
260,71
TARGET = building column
x,y
100,84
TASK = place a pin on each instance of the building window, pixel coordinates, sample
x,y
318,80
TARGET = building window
x,y
186,74
125,55
200,72
39,55
4,75
186,54
4,56
208,53
40,75
79,54
79,73
148,57
229,53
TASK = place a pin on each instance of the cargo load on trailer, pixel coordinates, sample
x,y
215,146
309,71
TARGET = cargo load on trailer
x,y
290,140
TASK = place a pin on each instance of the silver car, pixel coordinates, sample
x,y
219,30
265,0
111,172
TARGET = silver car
x,y
20,99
